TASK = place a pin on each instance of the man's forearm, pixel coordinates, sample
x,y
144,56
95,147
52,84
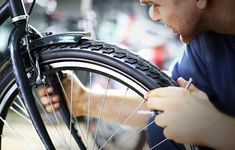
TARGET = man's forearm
x,y
116,109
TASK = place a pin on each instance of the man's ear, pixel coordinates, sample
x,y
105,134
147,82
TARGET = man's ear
x,y
201,4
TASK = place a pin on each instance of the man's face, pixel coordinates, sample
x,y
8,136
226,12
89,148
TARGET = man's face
x,y
182,16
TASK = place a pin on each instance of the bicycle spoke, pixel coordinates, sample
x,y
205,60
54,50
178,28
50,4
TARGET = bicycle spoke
x,y
21,115
88,108
17,134
120,108
27,118
21,107
101,112
63,140
71,108
53,110
159,143
135,134
68,103
122,103
123,124
54,113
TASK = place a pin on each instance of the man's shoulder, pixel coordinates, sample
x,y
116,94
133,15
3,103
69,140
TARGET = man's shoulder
x,y
210,42
211,38
211,34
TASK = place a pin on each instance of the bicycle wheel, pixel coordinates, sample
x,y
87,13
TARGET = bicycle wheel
x,y
98,66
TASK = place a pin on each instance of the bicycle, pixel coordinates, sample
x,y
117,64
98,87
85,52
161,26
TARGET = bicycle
x,y
38,60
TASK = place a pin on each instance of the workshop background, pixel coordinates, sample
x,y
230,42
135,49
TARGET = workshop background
x,y
122,22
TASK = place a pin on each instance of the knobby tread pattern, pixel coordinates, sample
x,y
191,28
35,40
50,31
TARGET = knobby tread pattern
x,y
122,55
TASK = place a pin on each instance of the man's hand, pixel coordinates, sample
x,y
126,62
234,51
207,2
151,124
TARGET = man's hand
x,y
187,115
79,96
50,100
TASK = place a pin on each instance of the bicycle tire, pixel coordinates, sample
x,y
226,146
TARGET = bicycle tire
x,y
109,60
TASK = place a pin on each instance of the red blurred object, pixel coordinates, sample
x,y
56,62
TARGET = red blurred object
x,y
159,55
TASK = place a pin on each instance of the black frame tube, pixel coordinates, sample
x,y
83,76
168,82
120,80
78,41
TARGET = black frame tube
x,y
4,12
23,84
65,113
11,8
17,8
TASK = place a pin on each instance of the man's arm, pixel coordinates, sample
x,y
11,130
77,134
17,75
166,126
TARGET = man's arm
x,y
115,108
189,117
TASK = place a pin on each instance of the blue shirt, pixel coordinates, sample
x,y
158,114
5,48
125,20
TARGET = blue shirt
x,y
210,61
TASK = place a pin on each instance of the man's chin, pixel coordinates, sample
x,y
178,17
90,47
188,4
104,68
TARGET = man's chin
x,y
185,40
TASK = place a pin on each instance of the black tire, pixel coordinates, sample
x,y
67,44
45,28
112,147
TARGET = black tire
x,y
109,60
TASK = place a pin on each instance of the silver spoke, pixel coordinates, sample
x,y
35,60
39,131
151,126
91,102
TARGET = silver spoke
x,y
71,108
120,107
159,143
101,112
54,113
21,115
53,110
22,103
123,124
22,108
88,108
135,134
122,103
67,101
62,139
17,134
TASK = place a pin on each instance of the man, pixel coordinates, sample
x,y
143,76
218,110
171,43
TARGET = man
x,y
188,115
204,114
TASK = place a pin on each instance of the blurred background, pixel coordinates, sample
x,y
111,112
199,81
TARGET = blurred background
x,y
122,22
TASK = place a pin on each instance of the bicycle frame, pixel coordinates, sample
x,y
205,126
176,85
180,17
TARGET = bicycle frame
x,y
9,8
16,10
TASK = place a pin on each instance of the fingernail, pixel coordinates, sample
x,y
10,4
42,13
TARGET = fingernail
x,y
180,78
49,89
55,98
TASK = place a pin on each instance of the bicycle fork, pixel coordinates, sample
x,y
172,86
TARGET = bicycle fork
x,y
23,83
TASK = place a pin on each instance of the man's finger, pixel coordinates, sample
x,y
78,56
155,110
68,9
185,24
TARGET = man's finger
x,y
53,107
160,120
183,83
159,104
43,92
53,98
161,92
50,90
45,100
